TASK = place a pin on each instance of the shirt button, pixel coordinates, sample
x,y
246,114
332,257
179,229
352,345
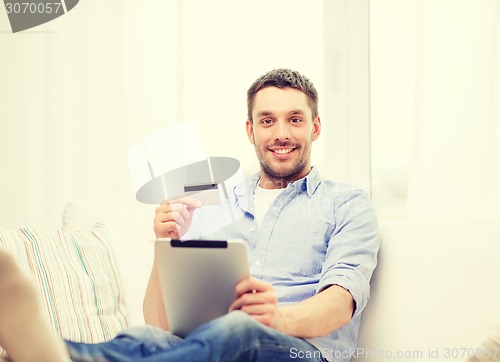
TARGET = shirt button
x,y
252,230
257,262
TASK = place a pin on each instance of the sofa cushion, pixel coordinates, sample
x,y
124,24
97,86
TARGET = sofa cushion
x,y
77,278
131,234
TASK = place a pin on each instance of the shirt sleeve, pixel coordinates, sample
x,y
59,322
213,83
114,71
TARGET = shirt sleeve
x,y
352,249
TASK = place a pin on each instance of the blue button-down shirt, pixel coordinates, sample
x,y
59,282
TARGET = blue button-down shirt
x,y
315,234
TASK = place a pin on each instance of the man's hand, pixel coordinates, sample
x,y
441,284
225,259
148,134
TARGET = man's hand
x,y
316,316
258,299
173,217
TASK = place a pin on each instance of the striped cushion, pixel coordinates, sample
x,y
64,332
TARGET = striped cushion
x,y
77,278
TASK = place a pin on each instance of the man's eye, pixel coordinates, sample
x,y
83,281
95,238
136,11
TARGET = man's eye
x,y
295,120
266,121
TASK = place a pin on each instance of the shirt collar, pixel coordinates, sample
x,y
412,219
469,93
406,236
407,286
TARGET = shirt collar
x,y
245,191
310,182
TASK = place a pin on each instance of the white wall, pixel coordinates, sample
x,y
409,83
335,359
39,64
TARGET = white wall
x,y
393,35
77,92
225,52
347,91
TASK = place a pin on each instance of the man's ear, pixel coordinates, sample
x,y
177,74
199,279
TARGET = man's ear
x,y
316,129
249,126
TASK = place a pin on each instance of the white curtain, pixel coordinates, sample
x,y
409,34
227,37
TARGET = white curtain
x,y
78,92
75,94
455,158
435,109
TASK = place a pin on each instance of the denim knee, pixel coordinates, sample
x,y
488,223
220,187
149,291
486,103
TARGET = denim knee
x,y
152,339
238,322
239,337
238,327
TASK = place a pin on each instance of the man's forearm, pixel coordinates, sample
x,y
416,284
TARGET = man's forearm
x,y
153,306
318,315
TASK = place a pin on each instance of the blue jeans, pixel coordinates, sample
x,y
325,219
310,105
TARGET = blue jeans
x,y
233,337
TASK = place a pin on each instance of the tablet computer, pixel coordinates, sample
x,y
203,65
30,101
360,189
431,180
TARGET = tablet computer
x,y
198,279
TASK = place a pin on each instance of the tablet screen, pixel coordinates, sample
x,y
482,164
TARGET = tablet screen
x,y
198,278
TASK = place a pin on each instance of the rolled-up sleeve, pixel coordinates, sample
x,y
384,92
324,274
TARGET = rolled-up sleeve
x,y
351,254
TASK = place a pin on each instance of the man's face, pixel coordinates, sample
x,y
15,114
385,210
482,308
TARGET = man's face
x,y
282,132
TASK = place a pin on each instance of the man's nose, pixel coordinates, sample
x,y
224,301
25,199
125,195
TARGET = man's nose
x,y
282,131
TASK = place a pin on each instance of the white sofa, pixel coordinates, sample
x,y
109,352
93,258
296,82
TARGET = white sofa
x,y
434,292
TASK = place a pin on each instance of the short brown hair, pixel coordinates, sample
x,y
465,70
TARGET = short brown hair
x,y
283,78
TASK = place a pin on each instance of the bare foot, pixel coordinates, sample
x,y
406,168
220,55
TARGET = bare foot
x,y
24,333
489,350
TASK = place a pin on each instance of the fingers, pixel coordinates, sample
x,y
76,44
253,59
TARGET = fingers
x,y
167,230
258,309
173,212
263,313
173,217
190,202
258,299
250,285
251,292
258,302
169,220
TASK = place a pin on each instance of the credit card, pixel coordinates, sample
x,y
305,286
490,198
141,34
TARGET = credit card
x,y
207,193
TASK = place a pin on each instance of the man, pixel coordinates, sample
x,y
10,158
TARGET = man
x,y
312,244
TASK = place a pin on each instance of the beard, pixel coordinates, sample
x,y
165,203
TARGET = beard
x,y
287,171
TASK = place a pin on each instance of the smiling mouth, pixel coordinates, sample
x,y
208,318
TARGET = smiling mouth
x,y
283,151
